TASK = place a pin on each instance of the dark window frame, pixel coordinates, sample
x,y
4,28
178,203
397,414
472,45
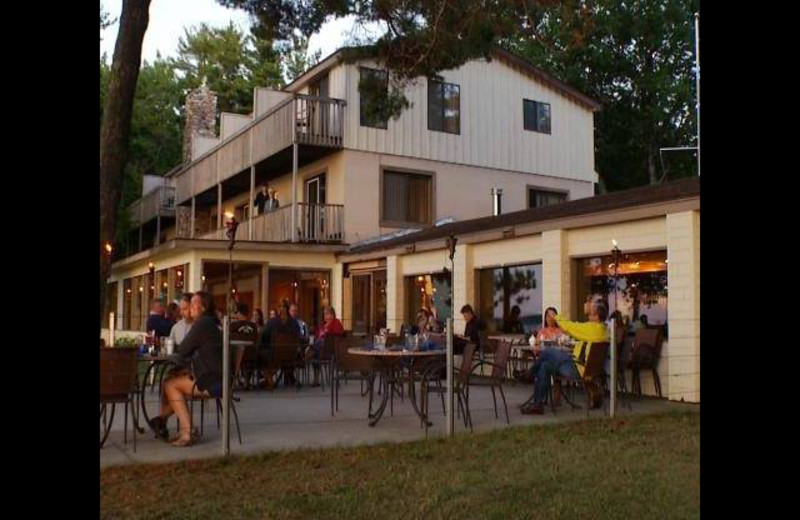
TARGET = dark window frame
x,y
439,125
361,116
538,108
529,188
383,222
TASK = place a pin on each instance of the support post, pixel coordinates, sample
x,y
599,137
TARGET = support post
x,y
697,81
226,386
191,231
612,407
219,205
252,194
158,229
449,400
294,192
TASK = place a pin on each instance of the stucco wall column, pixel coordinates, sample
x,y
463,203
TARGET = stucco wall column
x,y
394,293
556,278
683,282
463,285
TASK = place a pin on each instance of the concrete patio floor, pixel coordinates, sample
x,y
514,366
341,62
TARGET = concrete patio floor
x,y
289,419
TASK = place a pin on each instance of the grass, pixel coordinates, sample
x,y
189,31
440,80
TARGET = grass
x,y
639,467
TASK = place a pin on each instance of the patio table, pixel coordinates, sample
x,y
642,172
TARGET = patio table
x,y
155,362
387,361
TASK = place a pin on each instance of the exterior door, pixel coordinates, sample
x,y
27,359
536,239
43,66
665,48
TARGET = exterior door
x,y
319,109
314,213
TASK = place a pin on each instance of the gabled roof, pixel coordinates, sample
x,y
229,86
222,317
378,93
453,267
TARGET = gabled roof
x,y
619,200
498,52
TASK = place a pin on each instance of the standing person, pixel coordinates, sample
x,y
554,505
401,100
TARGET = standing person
x,y
181,328
282,323
556,361
157,321
203,346
294,312
272,202
173,312
331,326
261,198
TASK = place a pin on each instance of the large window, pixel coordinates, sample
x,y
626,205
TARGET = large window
x,y
407,198
444,107
369,301
373,88
536,116
540,198
641,288
431,291
511,298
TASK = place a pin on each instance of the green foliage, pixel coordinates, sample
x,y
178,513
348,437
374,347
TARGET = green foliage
x,y
636,58
296,58
232,63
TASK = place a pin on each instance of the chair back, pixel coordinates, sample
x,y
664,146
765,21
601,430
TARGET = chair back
x,y
596,360
647,341
284,347
501,355
466,363
350,362
328,348
489,346
118,370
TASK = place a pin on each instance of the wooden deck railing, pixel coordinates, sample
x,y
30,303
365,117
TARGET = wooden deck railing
x,y
160,201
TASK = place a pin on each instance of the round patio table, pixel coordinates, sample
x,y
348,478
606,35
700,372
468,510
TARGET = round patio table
x,y
387,361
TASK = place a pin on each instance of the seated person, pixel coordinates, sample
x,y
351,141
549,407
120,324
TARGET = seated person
x,y
156,321
181,328
550,331
283,323
556,361
331,326
203,346
471,331
512,325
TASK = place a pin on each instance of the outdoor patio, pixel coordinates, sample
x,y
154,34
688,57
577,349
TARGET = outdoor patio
x,y
289,419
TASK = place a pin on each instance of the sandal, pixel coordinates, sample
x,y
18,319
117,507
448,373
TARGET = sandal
x,y
182,442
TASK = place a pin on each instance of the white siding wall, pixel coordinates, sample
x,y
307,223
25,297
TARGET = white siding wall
x,y
492,133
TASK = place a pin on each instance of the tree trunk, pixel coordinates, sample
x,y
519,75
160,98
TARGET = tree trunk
x,y
116,125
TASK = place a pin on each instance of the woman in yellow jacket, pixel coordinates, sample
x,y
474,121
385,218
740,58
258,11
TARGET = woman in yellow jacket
x,y
555,361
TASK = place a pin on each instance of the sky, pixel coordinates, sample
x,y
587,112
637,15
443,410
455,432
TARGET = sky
x,y
169,18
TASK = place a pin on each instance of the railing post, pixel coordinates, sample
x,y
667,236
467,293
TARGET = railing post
x,y
226,386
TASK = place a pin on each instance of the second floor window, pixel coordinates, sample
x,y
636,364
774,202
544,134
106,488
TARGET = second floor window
x,y
373,87
407,198
541,198
444,107
536,116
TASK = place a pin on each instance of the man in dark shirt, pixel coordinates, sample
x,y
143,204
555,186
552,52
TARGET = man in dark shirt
x,y
283,323
471,330
261,198
157,321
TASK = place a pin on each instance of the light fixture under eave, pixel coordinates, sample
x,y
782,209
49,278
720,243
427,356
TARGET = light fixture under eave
x,y
614,242
179,273
229,215
109,248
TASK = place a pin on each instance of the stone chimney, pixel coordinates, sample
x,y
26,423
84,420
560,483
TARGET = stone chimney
x,y
201,117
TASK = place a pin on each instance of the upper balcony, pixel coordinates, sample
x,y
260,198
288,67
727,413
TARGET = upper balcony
x,y
157,202
315,124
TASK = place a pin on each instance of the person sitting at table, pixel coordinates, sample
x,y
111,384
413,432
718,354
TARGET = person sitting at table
x,y
181,328
472,330
512,324
157,321
173,312
331,326
282,323
258,319
203,346
425,321
550,331
571,365
294,312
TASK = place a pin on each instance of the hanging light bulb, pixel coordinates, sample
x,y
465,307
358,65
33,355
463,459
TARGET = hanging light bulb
x,y
179,273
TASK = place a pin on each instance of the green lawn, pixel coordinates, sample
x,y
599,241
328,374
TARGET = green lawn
x,y
640,467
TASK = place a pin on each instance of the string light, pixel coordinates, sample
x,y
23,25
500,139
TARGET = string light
x,y
141,289
109,248
179,273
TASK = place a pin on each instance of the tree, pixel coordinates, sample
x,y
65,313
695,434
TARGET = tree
x,y
636,59
231,62
421,38
116,123
296,58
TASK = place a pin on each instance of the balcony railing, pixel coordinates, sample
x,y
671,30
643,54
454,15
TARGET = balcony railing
x,y
160,201
316,223
303,119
